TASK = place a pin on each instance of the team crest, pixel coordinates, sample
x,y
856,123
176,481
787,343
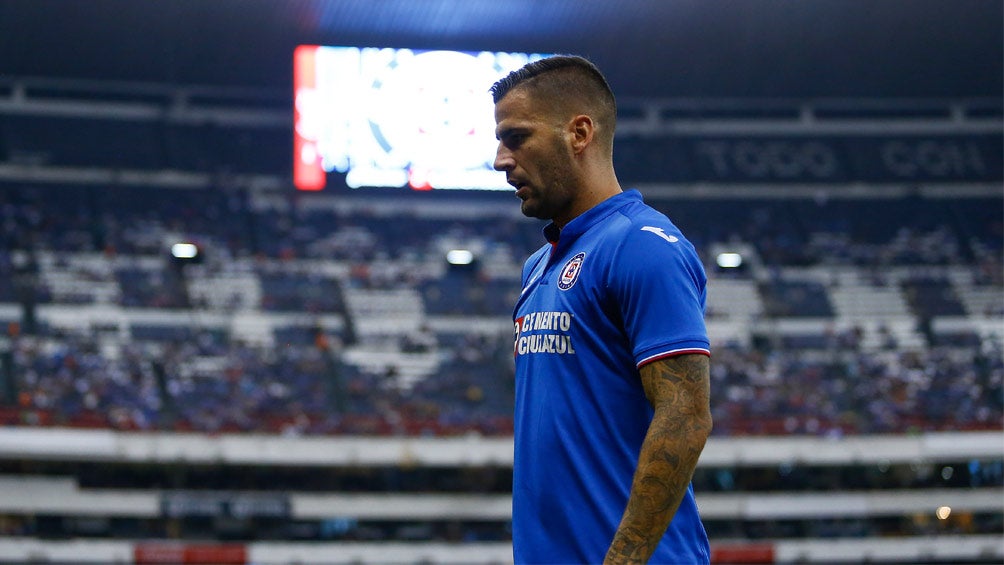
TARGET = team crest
x,y
570,272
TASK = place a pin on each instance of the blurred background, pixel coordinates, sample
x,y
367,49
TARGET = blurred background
x,y
203,361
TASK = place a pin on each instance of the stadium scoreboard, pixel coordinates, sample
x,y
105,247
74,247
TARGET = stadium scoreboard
x,y
397,118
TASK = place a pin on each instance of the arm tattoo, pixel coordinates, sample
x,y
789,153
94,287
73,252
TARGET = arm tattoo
x,y
678,389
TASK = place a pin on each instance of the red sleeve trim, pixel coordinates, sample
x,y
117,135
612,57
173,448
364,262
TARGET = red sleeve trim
x,y
673,353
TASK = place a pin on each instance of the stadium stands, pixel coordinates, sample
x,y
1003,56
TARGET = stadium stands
x,y
328,374
801,310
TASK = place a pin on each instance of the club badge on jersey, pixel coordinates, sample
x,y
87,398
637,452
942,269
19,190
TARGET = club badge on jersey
x,y
570,272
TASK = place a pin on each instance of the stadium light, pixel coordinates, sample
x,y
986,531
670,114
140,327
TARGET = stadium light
x,y
729,260
184,251
459,257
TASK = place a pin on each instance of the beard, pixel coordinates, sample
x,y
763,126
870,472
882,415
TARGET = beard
x,y
548,202
554,195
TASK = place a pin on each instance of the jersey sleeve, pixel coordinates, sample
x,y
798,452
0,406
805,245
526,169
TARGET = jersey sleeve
x,y
661,289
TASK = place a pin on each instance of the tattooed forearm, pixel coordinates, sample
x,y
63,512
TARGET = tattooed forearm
x,y
678,390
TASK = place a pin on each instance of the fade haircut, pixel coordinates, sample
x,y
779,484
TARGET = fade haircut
x,y
570,85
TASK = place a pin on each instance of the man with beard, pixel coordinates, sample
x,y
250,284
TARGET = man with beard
x,y
612,354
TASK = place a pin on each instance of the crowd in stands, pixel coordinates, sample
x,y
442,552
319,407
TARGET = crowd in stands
x,y
850,391
199,385
66,380
192,377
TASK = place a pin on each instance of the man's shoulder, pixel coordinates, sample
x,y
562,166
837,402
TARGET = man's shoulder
x,y
638,211
641,223
648,240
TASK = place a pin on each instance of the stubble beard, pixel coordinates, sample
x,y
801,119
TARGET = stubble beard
x,y
553,197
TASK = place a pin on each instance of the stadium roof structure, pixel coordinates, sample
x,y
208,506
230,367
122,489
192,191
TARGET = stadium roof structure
x,y
649,48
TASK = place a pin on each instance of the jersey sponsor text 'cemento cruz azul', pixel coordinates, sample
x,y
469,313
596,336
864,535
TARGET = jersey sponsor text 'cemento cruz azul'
x,y
550,333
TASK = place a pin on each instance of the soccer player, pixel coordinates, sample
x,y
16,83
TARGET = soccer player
x,y
612,393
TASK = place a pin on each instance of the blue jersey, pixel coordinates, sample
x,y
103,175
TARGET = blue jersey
x,y
619,288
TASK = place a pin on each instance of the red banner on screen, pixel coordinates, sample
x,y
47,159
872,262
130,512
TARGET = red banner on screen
x,y
307,171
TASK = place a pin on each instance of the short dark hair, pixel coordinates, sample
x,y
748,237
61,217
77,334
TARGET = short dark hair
x,y
563,79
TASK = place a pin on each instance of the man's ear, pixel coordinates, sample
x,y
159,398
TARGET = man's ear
x,y
581,130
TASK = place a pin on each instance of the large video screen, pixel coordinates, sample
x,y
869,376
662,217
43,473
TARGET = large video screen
x,y
400,118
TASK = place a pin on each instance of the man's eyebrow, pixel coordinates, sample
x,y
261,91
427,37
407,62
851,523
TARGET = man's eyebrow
x,y
506,132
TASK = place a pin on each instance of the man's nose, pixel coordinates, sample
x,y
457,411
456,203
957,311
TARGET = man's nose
x,y
503,159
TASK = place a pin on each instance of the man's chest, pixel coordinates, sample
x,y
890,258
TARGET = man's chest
x,y
562,298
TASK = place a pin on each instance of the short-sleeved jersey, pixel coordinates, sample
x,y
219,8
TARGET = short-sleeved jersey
x,y
618,288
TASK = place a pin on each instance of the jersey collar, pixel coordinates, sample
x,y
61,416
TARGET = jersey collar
x,y
581,223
